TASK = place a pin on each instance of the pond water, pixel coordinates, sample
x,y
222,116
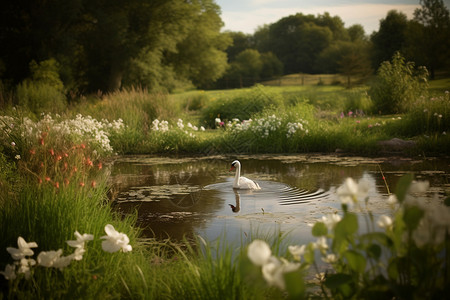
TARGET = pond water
x,y
186,196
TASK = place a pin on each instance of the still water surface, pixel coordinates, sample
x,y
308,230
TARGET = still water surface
x,y
188,196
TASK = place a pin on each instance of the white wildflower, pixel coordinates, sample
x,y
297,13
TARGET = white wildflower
x,y
10,272
115,241
350,191
331,220
297,251
259,252
330,258
23,250
385,222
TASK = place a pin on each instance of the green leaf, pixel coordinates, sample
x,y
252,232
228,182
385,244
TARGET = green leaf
x,y
399,232
356,261
295,285
309,255
380,237
392,269
334,281
343,232
319,229
447,201
403,186
347,226
374,251
412,217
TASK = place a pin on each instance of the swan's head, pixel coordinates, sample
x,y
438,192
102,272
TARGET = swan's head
x,y
235,164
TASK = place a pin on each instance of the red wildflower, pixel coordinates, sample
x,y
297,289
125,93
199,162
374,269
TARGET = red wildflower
x,y
93,183
89,162
51,151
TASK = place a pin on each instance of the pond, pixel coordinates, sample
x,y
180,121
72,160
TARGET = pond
x,y
178,197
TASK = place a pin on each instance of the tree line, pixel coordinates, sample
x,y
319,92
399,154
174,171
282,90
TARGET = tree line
x,y
322,44
90,45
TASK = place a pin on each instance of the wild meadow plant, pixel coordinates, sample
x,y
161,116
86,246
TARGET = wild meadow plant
x,y
403,255
173,137
265,132
62,187
58,151
429,116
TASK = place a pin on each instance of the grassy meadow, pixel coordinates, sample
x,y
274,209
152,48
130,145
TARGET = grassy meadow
x,y
54,174
333,118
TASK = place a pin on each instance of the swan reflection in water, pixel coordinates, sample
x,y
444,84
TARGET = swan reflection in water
x,y
236,208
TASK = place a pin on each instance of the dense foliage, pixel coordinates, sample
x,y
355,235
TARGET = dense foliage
x,y
100,45
172,45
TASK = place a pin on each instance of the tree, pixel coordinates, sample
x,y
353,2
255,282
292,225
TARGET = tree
x,y
97,43
201,56
271,66
390,38
355,62
348,58
356,33
241,41
432,37
297,40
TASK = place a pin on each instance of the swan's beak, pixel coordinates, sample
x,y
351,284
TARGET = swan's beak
x,y
231,169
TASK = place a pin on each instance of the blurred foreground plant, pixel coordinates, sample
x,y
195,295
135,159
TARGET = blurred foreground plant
x,y
402,256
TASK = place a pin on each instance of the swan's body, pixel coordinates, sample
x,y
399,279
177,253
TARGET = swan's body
x,y
242,183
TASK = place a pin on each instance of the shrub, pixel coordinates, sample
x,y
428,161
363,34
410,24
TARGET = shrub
x,y
357,100
40,97
242,106
398,85
43,92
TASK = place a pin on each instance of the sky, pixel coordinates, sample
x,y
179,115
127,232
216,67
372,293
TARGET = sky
x,y
248,15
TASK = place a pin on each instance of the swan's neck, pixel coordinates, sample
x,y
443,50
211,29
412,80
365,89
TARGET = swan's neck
x,y
238,175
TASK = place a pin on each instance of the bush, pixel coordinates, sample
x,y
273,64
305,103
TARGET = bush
x,y
357,100
40,97
44,92
241,107
398,85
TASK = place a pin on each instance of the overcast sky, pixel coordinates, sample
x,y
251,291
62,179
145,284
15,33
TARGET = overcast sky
x,y
247,15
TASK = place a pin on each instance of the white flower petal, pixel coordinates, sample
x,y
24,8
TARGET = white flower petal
x,y
259,252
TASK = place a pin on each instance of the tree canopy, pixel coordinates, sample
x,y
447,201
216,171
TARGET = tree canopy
x,y
165,44
98,43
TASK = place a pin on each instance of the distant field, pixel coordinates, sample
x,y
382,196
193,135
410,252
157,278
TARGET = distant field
x,y
310,79
437,85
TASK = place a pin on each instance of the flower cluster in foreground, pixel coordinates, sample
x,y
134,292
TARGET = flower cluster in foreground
x,y
273,268
377,263
113,242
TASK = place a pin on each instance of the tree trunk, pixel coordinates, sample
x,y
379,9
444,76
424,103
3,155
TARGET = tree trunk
x,y
115,76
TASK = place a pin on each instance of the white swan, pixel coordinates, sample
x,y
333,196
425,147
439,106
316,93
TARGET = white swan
x,y
242,183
